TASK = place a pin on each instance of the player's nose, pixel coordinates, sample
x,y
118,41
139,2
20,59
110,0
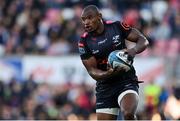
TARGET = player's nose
x,y
86,22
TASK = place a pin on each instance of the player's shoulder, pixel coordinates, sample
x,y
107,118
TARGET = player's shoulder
x,y
123,25
109,22
113,23
83,37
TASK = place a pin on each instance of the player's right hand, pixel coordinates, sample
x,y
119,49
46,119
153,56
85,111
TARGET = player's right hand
x,y
115,71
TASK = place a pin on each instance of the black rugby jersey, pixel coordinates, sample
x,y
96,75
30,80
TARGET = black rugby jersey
x,y
100,46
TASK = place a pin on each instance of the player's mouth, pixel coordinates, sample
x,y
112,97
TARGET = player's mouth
x,y
88,28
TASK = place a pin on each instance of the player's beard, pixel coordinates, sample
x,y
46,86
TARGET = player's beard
x,y
91,29
97,28
94,29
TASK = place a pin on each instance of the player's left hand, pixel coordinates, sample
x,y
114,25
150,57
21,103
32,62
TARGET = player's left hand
x,y
131,52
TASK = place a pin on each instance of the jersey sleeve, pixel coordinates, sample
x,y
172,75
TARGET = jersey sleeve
x,y
124,28
84,52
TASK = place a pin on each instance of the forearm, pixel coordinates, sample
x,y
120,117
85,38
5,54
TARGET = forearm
x,y
141,44
99,74
94,72
139,39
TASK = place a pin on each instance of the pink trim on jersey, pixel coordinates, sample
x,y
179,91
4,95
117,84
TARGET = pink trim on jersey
x,y
84,34
109,22
125,26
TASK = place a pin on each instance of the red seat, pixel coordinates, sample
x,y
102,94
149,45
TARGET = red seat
x,y
160,47
173,47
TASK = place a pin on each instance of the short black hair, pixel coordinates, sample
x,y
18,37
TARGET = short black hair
x,y
91,7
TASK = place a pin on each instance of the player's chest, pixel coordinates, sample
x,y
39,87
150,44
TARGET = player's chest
x,y
103,45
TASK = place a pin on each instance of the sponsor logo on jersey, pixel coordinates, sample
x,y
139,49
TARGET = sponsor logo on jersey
x,y
101,42
82,50
116,40
99,103
95,51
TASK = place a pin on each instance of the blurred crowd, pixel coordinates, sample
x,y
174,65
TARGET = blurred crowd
x,y
161,102
53,27
34,101
41,101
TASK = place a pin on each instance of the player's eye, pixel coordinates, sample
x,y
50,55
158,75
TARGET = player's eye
x,y
89,17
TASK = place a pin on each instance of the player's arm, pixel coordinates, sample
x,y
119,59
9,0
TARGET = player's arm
x,y
94,72
139,39
135,36
90,63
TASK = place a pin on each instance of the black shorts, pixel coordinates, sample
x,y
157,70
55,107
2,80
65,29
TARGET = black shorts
x,y
107,94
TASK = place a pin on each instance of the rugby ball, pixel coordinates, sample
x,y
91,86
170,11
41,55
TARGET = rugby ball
x,y
119,58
